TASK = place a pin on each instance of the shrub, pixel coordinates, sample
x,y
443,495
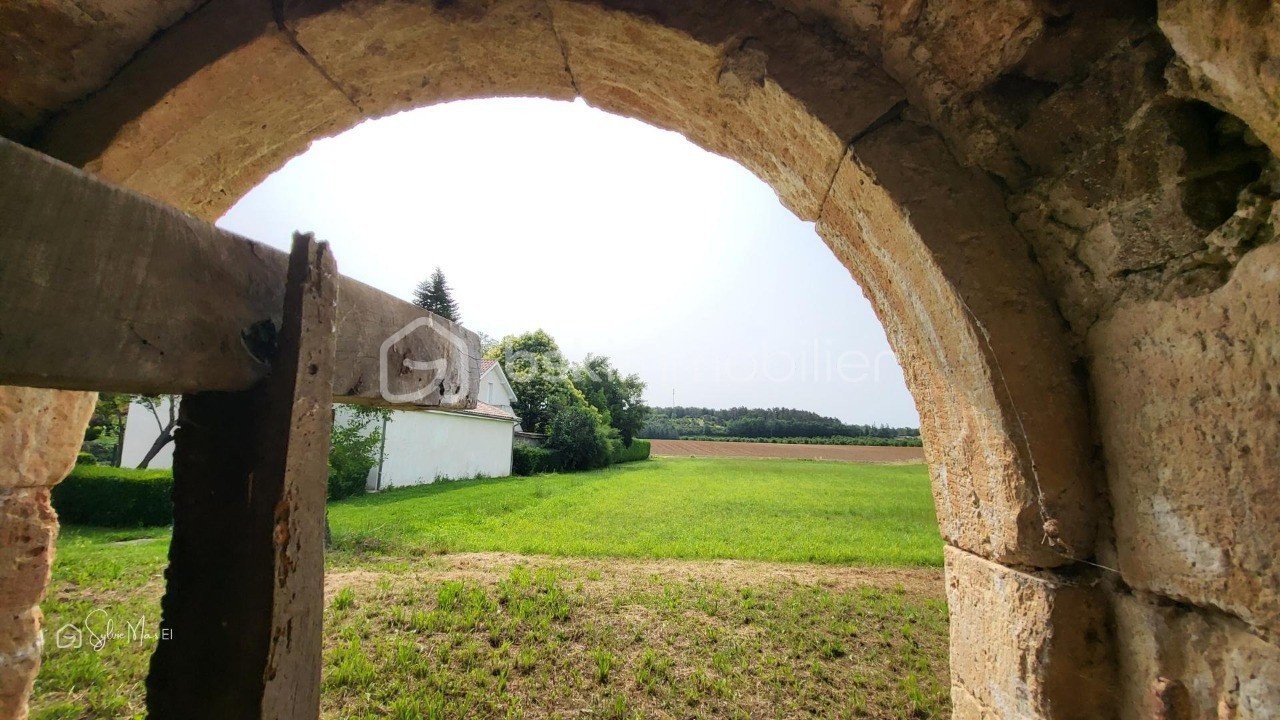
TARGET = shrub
x,y
102,448
530,460
353,450
578,440
639,450
86,458
115,497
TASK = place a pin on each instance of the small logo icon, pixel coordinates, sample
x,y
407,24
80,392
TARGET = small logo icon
x,y
69,637
402,390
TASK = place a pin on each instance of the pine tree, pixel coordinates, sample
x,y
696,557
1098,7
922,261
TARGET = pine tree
x,y
433,295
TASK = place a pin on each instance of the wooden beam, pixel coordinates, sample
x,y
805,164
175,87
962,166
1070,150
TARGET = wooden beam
x,y
103,289
241,616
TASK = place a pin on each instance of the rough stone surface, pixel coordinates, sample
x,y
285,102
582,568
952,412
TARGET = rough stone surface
x,y
858,21
763,91
943,52
1179,662
970,320
1026,646
20,647
204,112
1229,55
40,434
1134,187
59,50
958,46
1188,399
397,56
28,530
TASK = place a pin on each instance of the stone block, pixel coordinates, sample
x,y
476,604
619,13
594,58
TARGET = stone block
x,y
40,434
1026,646
1229,56
784,102
204,112
397,56
1187,404
28,530
1181,662
21,645
69,48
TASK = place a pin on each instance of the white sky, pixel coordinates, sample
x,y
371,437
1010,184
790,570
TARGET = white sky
x,y
614,236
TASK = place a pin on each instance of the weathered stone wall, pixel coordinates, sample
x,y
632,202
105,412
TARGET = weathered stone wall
x,y
40,434
1064,212
1153,215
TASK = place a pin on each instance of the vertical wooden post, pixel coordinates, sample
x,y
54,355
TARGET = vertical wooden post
x,y
241,616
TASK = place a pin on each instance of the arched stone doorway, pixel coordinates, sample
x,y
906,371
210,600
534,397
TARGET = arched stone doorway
x,y
966,310
885,123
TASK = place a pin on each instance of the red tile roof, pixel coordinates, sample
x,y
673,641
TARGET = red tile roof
x,y
485,364
487,410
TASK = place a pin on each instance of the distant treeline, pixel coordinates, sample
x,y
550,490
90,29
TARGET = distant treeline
x,y
762,424
827,440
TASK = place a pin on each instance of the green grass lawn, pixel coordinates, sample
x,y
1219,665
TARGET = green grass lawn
x,y
414,633
120,572
780,510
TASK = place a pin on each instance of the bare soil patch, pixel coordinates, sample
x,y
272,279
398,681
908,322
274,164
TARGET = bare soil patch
x,y
490,567
843,453
494,635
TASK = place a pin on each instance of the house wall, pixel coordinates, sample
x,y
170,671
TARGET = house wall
x,y
140,431
493,389
422,447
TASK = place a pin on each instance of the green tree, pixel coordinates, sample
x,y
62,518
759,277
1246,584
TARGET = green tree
x,y
578,439
618,398
434,295
353,449
165,423
106,427
539,374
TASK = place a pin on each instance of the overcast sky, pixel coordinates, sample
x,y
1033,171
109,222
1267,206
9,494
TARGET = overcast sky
x,y
614,236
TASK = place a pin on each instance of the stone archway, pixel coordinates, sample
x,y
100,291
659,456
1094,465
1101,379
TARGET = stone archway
x,y
949,153
966,309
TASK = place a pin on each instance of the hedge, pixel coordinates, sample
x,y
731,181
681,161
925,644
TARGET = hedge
x,y
639,450
115,497
530,460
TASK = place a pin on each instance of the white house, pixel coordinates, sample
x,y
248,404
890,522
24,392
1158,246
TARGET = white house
x,y
141,428
422,446
418,446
